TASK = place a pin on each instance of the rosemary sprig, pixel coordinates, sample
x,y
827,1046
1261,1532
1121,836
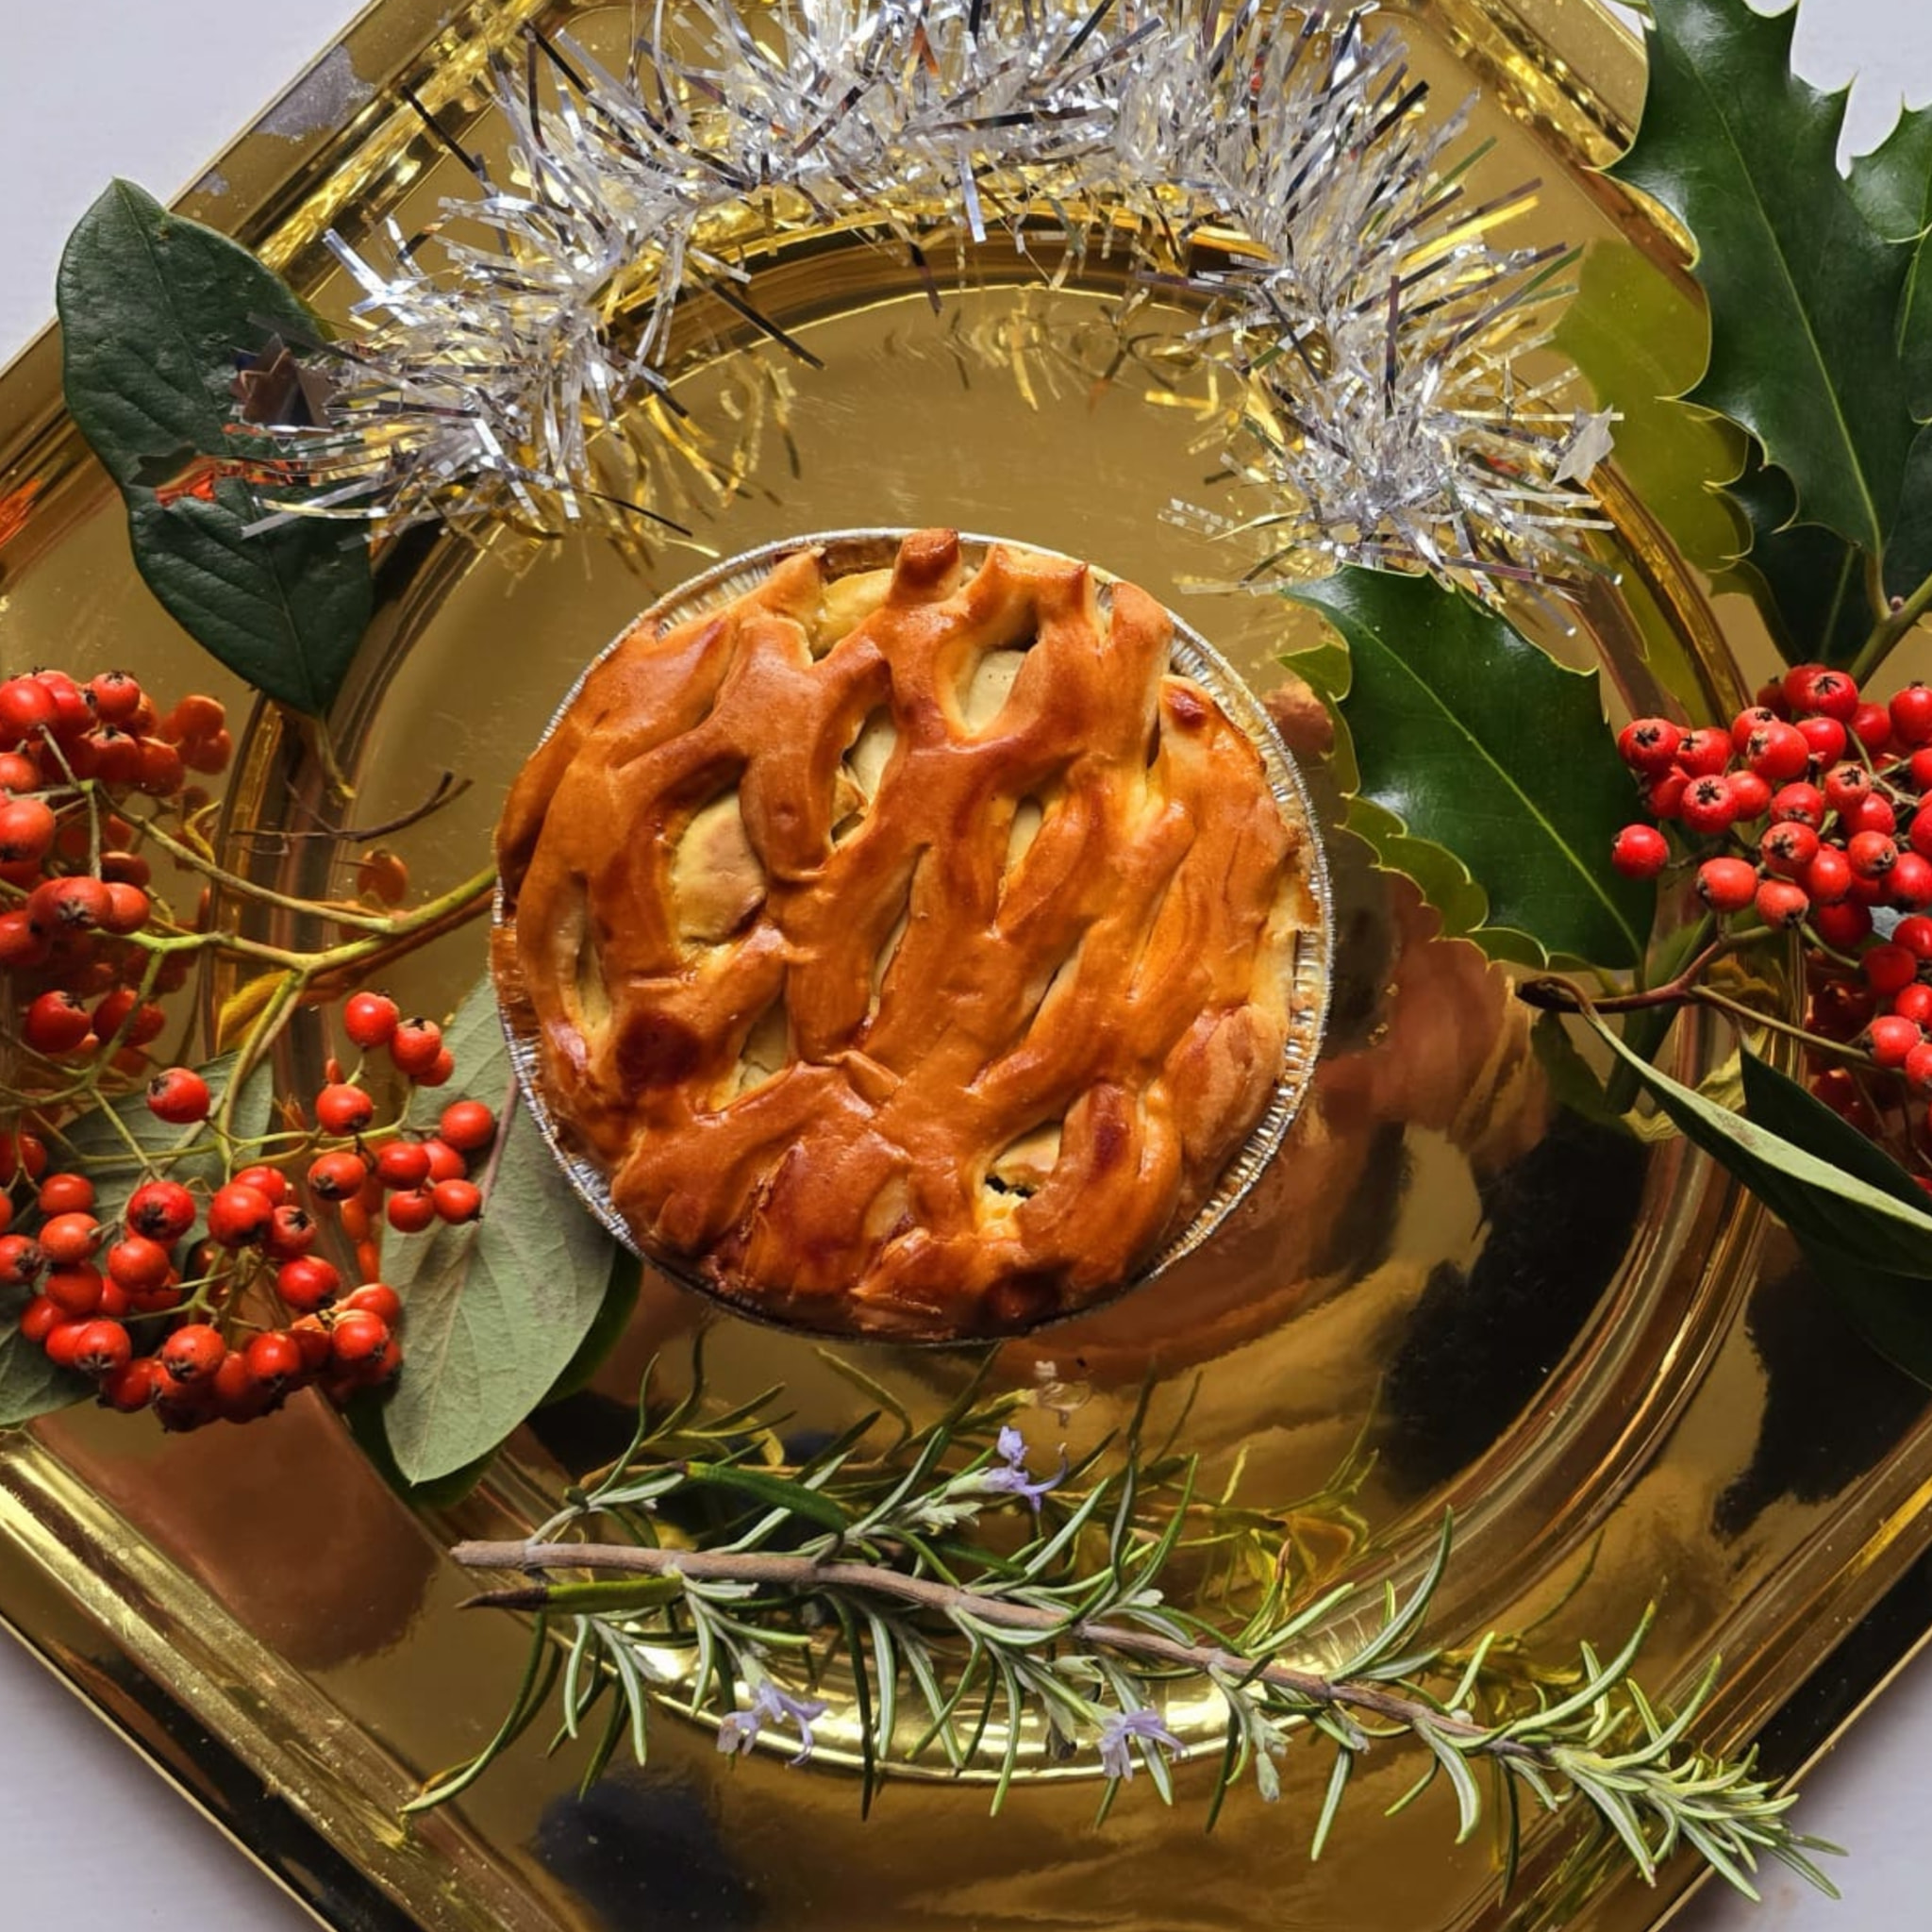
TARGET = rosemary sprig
x,y
983,1616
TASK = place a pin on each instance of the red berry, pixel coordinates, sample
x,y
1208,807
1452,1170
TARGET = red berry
x,y
1872,813
1800,805
1648,745
1870,855
357,1336
1796,687
1911,714
162,772
290,1233
380,1299
1918,1066
1914,1003
27,831
1727,885
1777,753
403,1164
1832,694
311,1338
1746,722
1845,785
1825,736
66,1195
25,707
340,1109
469,1126
308,1282
1664,794
437,1074
1888,968
73,709
20,1259
1914,935
57,1022
128,909
195,716
370,1018
139,1263
457,1201
179,1096
412,1212
446,1163
1750,795
62,1343
17,772
1871,725
416,1045
1789,848
68,1239
1842,924
1910,881
1781,904
76,1288
131,1387
40,1318
1919,833
238,1214
272,1359
192,1352
1706,808
20,943
210,753
162,1210
1829,877
1704,753
338,1175
22,1152
270,1181
116,696
101,1348
1892,1038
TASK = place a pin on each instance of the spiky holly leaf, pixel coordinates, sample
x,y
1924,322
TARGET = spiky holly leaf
x,y
1639,342
1804,292
1894,185
1481,743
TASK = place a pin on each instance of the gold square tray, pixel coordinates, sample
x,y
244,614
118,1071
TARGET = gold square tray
x,y
283,1639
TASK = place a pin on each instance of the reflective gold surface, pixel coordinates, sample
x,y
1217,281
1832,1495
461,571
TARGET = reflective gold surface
x,y
1584,1349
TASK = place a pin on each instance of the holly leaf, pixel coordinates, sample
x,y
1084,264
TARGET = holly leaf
x,y
1893,1311
1477,740
1803,290
1840,1214
152,308
1894,185
498,1307
1639,342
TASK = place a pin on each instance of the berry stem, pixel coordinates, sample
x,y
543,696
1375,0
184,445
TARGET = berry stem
x,y
1890,629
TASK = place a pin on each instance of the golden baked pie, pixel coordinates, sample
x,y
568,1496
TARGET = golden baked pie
x,y
910,948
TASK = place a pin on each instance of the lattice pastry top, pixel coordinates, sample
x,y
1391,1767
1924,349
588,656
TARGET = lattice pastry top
x,y
911,949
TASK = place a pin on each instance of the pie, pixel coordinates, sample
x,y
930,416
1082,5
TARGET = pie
x,y
910,947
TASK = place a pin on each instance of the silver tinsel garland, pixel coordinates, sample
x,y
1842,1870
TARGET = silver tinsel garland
x,y
1274,170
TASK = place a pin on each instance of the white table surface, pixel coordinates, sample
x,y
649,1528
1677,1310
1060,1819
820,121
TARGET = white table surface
x,y
150,90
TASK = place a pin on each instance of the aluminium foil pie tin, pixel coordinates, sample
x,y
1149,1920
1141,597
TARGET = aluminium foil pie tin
x,y
1311,970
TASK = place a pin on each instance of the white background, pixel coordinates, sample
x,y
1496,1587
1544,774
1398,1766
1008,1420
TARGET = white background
x,y
150,90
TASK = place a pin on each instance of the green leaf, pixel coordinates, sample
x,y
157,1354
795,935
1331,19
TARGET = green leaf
x,y
498,1308
1893,1311
1894,185
1479,741
1641,342
1803,291
613,1316
364,1417
152,308
1827,1207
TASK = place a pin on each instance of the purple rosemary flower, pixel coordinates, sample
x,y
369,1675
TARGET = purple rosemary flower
x,y
1120,1728
1015,1479
739,1730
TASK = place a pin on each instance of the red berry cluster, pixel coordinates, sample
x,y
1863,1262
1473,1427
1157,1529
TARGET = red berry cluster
x,y
73,880
1814,811
162,1329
